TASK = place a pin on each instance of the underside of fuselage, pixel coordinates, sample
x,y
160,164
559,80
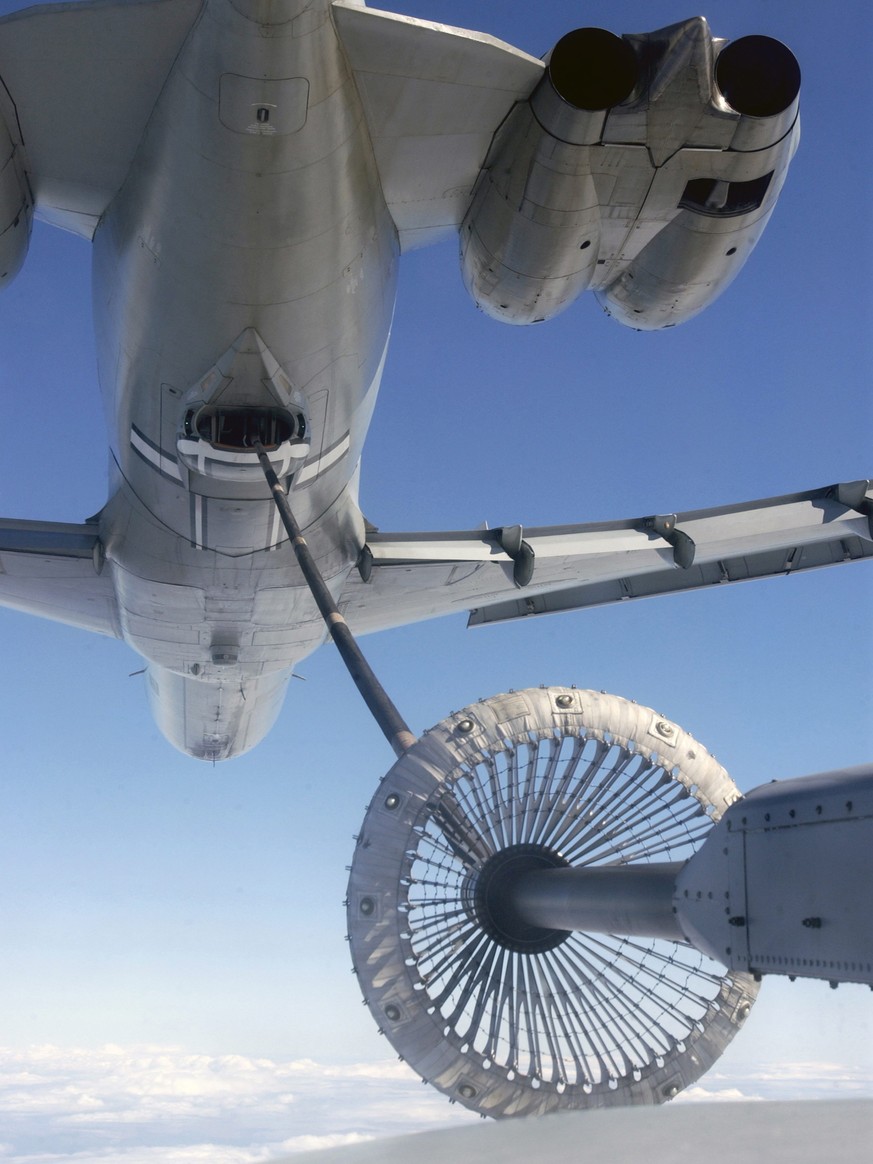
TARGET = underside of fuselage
x,y
251,236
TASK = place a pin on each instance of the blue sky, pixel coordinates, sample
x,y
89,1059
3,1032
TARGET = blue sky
x,y
152,901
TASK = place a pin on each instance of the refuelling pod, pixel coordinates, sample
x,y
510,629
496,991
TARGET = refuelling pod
x,y
529,240
16,207
723,211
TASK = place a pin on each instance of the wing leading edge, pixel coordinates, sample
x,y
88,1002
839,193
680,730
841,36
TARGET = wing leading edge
x,y
415,576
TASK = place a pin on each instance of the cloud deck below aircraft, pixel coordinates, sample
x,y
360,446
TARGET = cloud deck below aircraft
x,y
165,1105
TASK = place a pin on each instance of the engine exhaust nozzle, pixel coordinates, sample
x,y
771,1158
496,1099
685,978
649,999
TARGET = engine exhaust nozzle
x,y
592,69
758,76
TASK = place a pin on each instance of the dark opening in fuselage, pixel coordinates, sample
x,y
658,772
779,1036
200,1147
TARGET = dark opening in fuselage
x,y
239,428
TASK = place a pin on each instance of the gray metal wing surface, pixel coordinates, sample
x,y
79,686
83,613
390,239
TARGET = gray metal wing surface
x,y
779,1133
55,570
79,82
414,576
433,97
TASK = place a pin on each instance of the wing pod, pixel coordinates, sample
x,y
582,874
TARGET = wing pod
x,y
16,207
642,167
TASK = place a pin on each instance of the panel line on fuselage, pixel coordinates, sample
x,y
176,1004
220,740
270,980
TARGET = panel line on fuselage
x,y
326,461
197,510
153,455
273,536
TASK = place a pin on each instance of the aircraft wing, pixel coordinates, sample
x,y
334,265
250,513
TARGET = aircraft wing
x,y
433,97
794,1132
54,570
512,572
77,85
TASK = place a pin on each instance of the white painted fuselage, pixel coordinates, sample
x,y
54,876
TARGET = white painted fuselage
x,y
249,254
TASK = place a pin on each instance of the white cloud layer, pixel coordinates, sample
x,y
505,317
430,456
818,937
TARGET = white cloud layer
x,y
783,1081
164,1105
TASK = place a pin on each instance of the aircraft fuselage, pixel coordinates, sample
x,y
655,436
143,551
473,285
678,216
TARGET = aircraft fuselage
x,y
253,170
248,259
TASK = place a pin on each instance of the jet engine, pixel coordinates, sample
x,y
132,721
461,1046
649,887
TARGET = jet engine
x,y
642,167
16,207
560,900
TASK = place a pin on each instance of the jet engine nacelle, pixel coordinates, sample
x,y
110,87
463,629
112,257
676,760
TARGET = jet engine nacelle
x,y
642,167
16,207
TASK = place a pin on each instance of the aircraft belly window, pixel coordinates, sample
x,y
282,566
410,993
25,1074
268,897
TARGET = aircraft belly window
x,y
721,199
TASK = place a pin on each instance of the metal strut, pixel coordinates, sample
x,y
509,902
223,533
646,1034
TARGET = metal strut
x,y
394,727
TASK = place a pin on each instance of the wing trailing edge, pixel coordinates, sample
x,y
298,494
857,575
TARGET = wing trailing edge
x,y
414,576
